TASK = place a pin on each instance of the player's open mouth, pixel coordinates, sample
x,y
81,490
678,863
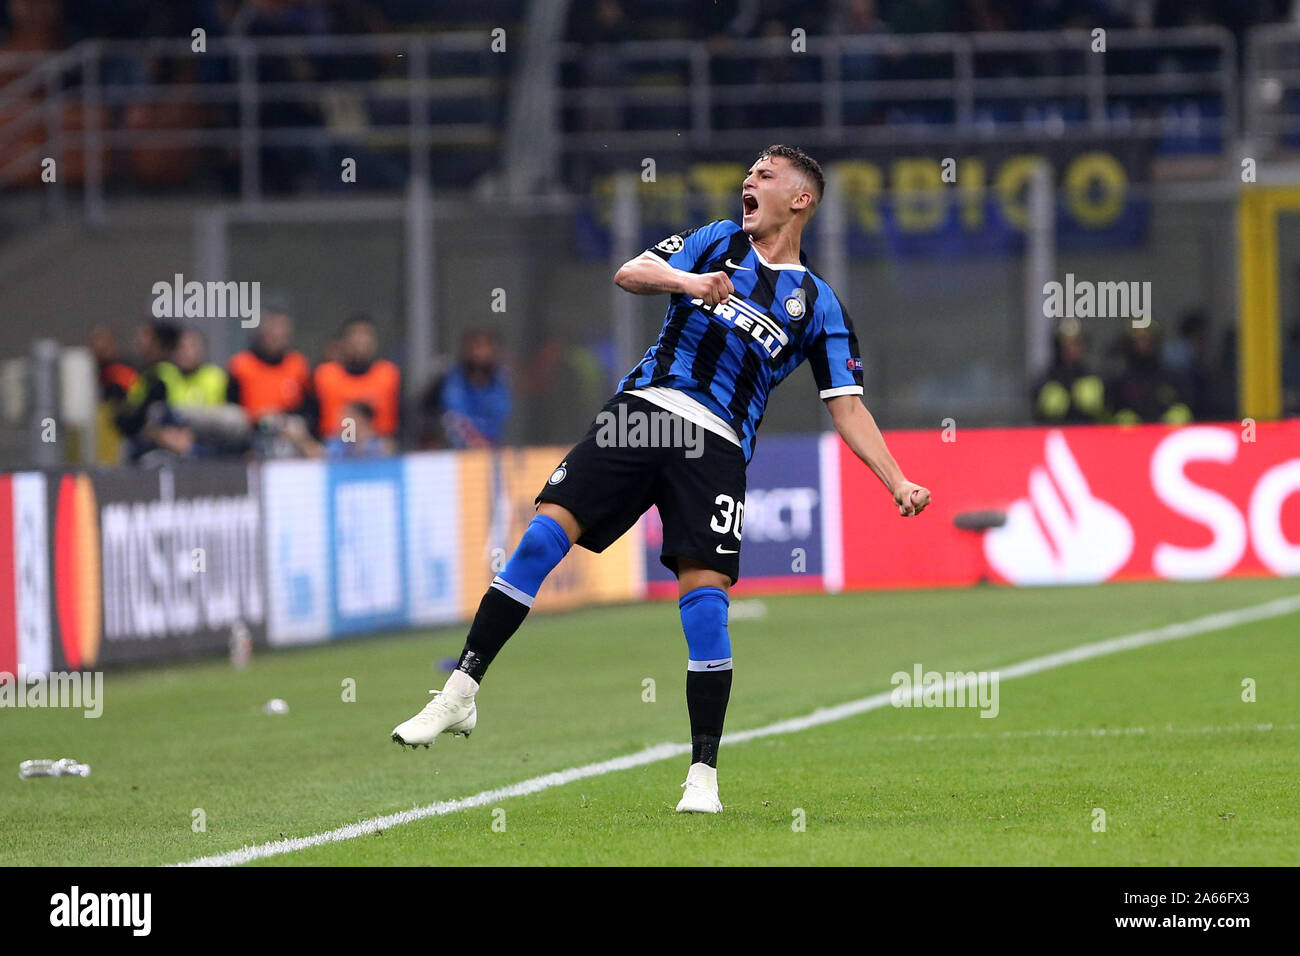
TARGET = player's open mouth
x,y
750,204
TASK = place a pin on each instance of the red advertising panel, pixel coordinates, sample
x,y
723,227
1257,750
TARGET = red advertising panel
x,y
1079,505
8,584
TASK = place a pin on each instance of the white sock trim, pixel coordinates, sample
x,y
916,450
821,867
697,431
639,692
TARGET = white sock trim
x,y
512,592
698,770
722,664
461,683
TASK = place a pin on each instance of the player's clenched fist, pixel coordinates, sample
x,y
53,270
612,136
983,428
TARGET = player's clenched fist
x,y
713,287
911,499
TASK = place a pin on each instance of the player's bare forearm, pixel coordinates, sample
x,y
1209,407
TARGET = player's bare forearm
x,y
647,274
858,428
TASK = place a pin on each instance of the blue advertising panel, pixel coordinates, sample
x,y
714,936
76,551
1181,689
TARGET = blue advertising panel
x,y
367,544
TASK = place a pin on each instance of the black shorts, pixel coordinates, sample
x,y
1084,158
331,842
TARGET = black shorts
x,y
695,477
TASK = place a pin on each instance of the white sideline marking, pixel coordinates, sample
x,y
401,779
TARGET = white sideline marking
x,y
823,715
1088,732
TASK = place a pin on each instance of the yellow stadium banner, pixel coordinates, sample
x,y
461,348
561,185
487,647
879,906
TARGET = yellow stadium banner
x,y
497,489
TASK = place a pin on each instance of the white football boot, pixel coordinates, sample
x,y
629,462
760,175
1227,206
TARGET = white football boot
x,y
701,788
448,713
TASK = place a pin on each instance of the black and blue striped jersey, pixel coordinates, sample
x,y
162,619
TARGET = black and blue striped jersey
x,y
730,357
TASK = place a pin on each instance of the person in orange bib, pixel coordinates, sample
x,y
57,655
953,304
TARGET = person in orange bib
x,y
269,377
358,376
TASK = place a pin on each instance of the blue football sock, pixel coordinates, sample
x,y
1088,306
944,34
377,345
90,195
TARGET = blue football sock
x,y
506,603
542,547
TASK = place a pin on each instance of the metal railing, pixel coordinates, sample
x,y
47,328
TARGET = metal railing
x,y
405,98
417,93
891,88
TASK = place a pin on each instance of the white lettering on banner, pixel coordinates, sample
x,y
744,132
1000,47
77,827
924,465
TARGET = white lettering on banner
x,y
150,586
1178,493
368,555
779,514
1271,546
1220,514
1062,533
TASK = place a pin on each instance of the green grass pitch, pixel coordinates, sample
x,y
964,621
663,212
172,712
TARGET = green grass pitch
x,y
1158,737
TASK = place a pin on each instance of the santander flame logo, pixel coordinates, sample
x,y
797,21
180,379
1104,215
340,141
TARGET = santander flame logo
x,y
1061,533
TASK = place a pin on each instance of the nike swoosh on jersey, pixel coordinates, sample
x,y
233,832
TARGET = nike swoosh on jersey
x,y
722,550
732,265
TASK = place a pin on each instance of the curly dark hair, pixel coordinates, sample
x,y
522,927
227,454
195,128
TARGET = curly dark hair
x,y
801,161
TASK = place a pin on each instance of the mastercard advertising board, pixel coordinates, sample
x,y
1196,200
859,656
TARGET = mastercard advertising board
x,y
152,565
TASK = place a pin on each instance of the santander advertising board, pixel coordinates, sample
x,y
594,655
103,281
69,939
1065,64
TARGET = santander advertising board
x,y
1080,505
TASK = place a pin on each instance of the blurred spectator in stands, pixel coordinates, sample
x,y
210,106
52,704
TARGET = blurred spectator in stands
x,y
1227,377
721,21
776,72
144,418
115,376
598,26
808,15
602,22
557,381
33,26
1291,372
162,166
357,438
992,16
1187,357
977,16
350,18
921,16
198,398
177,407
285,168
358,376
861,18
470,405
1144,390
856,18
199,382
1046,14
1070,393
115,379
271,382
332,350
270,377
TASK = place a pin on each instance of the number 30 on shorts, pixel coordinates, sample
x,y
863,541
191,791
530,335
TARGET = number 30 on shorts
x,y
730,517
